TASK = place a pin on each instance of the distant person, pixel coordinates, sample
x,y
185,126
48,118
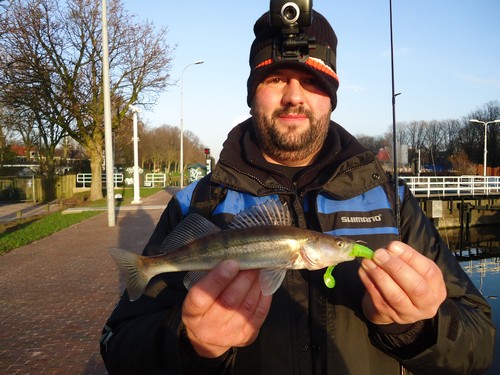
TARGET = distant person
x,y
411,308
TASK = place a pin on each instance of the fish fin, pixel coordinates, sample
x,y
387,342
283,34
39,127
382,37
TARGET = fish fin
x,y
193,277
192,227
131,267
270,279
271,212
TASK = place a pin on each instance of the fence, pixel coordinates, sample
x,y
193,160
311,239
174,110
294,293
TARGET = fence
x,y
86,179
30,189
453,185
151,179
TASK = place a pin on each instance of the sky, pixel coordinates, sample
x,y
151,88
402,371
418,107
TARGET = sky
x,y
446,61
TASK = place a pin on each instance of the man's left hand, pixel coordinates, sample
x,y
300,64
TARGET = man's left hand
x,y
402,286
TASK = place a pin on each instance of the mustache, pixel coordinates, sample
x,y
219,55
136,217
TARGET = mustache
x,y
292,111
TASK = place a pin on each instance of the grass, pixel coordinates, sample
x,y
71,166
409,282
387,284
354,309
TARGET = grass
x,y
37,228
27,230
81,199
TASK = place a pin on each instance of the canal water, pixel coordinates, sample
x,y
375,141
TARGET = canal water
x,y
484,273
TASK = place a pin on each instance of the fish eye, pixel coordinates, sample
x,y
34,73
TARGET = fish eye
x,y
340,243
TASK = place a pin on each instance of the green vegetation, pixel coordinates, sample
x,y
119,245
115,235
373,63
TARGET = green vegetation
x,y
81,199
27,230
32,230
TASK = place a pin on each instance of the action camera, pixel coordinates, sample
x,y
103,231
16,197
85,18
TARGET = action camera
x,y
291,17
285,13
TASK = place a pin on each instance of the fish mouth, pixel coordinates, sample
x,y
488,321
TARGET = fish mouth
x,y
362,251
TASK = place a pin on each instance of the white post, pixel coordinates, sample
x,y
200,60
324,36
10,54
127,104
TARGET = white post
x,y
419,167
485,123
135,139
108,135
485,147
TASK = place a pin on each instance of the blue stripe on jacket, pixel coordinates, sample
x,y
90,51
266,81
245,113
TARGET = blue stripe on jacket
x,y
374,199
236,202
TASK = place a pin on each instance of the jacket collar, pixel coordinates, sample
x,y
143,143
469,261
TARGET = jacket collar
x,y
344,168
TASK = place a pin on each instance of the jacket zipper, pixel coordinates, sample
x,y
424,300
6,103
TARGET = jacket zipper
x,y
255,178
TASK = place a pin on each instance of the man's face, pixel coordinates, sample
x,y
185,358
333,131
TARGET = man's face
x,y
291,113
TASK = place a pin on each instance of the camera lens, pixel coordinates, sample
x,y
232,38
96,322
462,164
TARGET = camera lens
x,y
290,12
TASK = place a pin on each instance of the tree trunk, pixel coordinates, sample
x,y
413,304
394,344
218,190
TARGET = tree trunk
x,y
48,183
96,169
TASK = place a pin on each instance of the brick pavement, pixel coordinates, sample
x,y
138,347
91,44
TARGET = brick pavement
x,y
57,293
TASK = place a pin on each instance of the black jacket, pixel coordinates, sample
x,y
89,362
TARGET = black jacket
x,y
310,329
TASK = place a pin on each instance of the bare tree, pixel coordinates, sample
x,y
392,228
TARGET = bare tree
x,y
414,138
193,149
160,148
451,130
461,164
64,38
489,112
372,143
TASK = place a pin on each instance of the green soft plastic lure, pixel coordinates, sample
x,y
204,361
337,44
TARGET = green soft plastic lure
x,y
358,250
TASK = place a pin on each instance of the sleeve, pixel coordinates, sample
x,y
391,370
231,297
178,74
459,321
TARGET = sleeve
x,y
146,336
460,338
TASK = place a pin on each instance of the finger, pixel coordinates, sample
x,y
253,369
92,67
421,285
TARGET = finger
x,y
251,312
424,266
375,308
388,297
204,293
416,274
242,294
237,302
234,311
407,292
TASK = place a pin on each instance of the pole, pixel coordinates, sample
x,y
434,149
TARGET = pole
x,y
485,123
135,139
108,135
181,162
419,165
485,148
394,140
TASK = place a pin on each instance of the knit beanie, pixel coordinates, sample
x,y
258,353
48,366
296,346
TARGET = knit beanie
x,y
320,62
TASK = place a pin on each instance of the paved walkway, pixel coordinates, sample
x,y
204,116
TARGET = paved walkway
x,y
57,293
13,211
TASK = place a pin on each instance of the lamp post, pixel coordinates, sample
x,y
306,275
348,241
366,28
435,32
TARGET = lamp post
x,y
108,134
485,123
181,164
135,139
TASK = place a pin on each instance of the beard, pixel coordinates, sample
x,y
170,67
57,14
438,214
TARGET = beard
x,y
290,145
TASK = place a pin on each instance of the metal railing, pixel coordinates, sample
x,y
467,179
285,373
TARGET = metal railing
x,y
429,186
86,179
151,179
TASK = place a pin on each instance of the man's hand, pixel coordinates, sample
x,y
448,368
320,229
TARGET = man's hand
x,y
402,286
224,309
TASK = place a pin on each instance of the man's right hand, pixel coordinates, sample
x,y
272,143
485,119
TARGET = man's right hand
x,y
224,309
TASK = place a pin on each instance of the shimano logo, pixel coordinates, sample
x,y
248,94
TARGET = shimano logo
x,y
361,219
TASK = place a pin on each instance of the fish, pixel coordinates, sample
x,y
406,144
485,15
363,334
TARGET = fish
x,y
260,237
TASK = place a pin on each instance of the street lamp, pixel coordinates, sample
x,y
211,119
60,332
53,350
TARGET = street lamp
x,y
182,120
135,139
485,123
108,133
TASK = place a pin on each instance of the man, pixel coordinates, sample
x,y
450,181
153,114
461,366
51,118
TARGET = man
x,y
410,308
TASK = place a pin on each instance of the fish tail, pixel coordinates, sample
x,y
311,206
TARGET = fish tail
x,y
131,266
